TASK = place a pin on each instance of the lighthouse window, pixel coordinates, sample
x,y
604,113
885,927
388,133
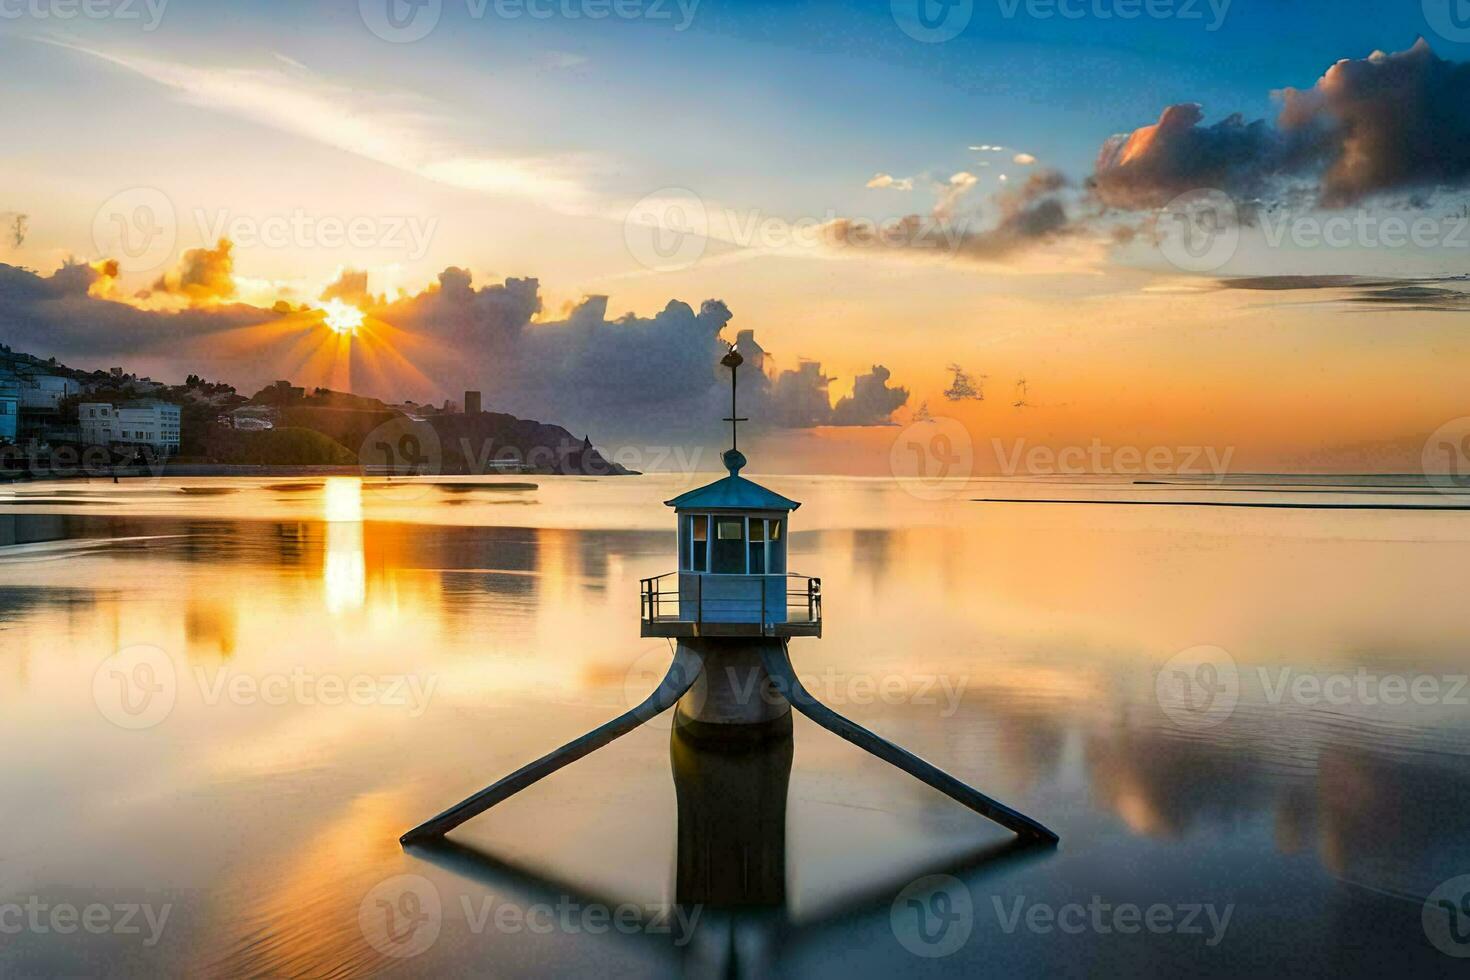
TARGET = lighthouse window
x,y
729,547
776,563
698,531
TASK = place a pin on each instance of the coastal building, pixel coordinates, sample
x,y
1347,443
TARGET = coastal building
x,y
9,413
472,403
149,423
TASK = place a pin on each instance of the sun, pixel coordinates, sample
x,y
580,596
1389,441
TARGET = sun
x,y
341,317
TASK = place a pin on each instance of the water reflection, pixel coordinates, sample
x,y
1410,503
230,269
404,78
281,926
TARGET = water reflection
x,y
1048,627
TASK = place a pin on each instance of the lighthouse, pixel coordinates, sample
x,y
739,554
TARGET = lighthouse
x,y
732,608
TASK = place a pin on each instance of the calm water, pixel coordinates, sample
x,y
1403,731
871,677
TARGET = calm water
x,y
309,668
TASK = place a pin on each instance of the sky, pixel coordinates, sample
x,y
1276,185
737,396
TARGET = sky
x,y
572,204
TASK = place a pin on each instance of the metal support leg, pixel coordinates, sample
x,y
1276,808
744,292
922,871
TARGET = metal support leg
x,y
778,665
683,672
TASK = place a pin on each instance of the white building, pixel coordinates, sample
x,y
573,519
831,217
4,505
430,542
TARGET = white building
x,y
150,423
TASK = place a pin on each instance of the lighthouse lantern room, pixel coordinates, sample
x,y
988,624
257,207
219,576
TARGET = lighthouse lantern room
x,y
732,578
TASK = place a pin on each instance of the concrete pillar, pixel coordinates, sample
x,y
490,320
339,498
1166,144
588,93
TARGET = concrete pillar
x,y
734,698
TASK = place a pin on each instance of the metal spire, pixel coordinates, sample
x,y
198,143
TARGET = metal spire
x,y
733,360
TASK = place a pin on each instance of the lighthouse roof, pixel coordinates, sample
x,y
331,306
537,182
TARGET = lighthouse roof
x,y
733,492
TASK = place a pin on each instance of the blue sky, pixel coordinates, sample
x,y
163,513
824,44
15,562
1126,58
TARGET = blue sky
x,y
525,145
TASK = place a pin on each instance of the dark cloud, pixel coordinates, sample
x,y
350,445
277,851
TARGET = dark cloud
x,y
1395,123
1028,215
59,316
1432,295
1388,122
872,401
1153,164
654,375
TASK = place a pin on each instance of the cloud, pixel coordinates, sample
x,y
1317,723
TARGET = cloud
x,y
1022,217
891,182
799,398
872,401
1446,294
203,276
952,192
1023,159
657,376
404,132
1388,123
351,286
1150,166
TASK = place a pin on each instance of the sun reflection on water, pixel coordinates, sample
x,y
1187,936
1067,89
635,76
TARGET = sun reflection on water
x,y
344,570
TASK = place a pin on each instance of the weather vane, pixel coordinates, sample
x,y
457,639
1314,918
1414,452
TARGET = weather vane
x,y
733,360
